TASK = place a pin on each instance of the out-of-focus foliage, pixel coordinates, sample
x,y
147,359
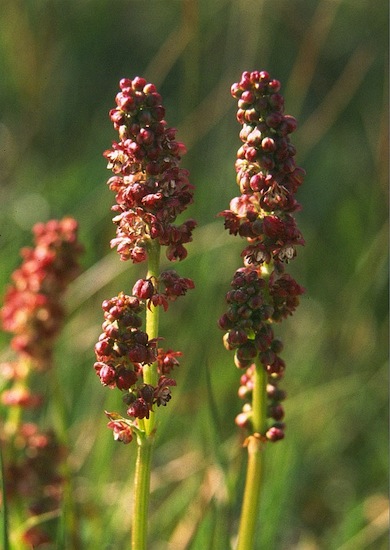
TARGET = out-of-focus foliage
x,y
60,63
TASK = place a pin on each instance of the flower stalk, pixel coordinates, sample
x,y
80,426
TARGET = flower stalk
x,y
152,312
33,312
142,491
255,445
151,191
250,505
145,442
262,292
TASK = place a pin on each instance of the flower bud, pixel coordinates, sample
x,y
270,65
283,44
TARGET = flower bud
x,y
143,289
125,378
242,363
274,434
139,409
276,411
106,374
138,354
146,392
242,420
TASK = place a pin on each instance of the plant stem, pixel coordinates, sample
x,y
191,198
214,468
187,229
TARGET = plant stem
x,y
145,442
4,511
141,495
250,507
69,519
259,399
152,324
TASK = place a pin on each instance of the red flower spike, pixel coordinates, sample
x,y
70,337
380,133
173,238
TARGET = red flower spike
x,y
151,190
268,178
33,474
32,308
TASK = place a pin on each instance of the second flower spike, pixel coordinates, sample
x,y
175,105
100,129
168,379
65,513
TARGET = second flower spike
x,y
262,292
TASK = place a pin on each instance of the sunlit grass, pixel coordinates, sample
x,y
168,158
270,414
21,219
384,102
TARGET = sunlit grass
x,y
328,480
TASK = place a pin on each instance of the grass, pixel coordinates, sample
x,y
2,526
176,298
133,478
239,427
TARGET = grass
x,y
327,482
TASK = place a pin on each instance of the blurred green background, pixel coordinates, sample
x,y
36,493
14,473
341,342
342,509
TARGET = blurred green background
x,y
60,64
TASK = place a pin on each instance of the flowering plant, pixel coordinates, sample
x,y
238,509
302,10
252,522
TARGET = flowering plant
x,y
262,292
151,190
33,311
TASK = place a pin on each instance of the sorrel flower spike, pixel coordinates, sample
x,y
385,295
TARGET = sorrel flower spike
x,y
33,309
34,313
262,293
151,191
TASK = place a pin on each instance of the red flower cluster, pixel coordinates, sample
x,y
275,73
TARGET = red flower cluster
x,y
174,286
123,348
34,313
151,190
121,352
32,307
262,293
142,398
32,474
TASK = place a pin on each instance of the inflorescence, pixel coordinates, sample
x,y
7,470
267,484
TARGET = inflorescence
x,y
33,309
262,292
33,312
151,191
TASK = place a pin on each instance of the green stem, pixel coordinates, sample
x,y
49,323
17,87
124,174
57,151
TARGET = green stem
x,y
145,442
152,326
4,511
259,399
70,521
141,493
250,507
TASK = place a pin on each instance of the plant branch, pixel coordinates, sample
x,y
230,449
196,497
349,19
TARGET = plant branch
x,y
142,490
152,326
254,475
145,442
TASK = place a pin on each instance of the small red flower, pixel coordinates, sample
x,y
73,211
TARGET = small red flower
x,y
21,397
162,394
143,289
167,360
139,408
122,431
